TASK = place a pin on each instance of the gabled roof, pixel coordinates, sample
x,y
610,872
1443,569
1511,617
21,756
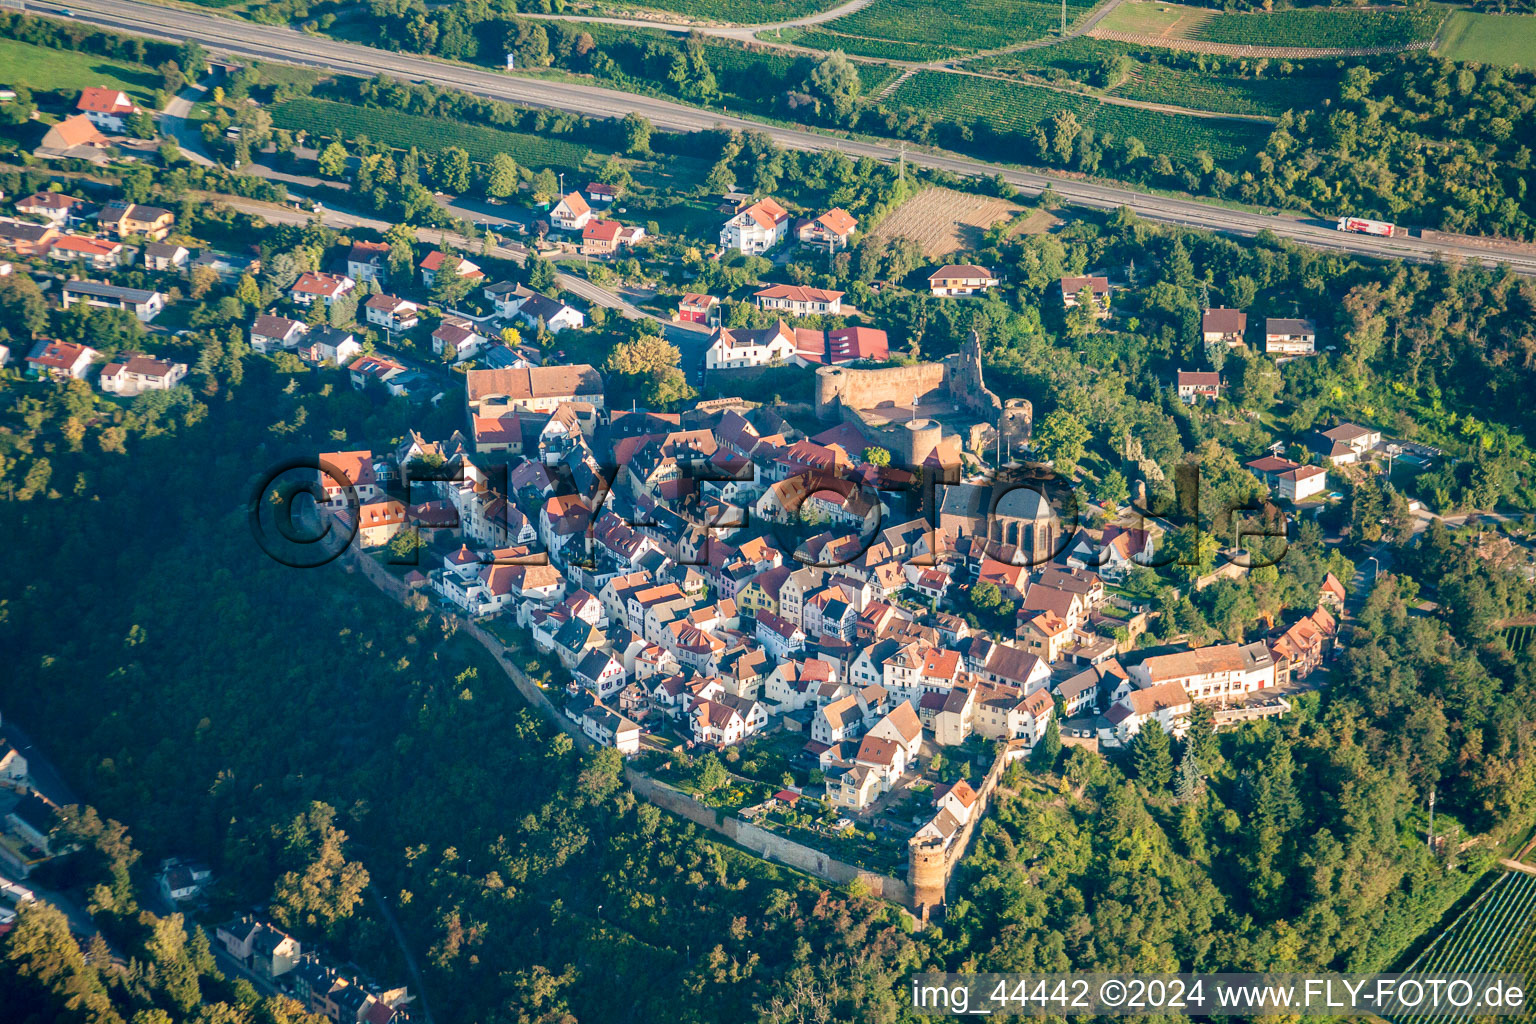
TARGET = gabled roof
x,y
534,382
1224,321
575,204
837,220
964,270
765,213
99,100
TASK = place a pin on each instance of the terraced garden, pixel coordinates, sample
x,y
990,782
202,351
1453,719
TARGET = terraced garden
x,y
1018,109
1494,935
393,128
920,31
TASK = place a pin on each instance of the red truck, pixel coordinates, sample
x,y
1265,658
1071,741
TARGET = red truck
x,y
1369,227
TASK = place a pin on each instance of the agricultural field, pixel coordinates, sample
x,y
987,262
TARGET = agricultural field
x,y
1310,27
1147,18
1324,28
1494,935
942,221
1204,82
393,128
964,27
1505,39
741,12
1271,95
1018,109
859,46
42,68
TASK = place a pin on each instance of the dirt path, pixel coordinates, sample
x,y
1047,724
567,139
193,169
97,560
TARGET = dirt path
x,y
1244,50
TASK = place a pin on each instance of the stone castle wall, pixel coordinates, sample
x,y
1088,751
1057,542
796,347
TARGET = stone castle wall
x,y
866,389
765,844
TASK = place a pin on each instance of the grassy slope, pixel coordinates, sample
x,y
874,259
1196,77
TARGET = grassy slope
x,y
1507,39
42,68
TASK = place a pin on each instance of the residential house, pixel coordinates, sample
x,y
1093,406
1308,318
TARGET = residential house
x,y
270,333
842,719
607,237
457,337
598,192
1005,713
179,881
755,229
1223,326
832,230
961,279
107,109
366,260
379,521
60,359
131,373
1072,289
122,220
229,267
609,729
1303,646
571,213
1289,480
391,312
779,637
1347,442
736,347
162,257
1194,385
25,239
436,260
1289,338
799,300
537,389
144,304
95,253
955,719
74,138
852,786
1220,672
55,208
313,285
377,368
555,315
1166,703
325,344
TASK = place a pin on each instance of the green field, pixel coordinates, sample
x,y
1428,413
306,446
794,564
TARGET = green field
x,y
393,128
1320,28
966,26
1507,39
1017,109
744,12
40,67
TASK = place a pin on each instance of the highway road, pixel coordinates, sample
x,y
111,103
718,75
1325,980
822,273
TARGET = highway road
x,y
243,39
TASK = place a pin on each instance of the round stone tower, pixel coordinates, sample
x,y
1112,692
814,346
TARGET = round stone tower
x,y
830,385
926,874
919,439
